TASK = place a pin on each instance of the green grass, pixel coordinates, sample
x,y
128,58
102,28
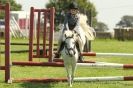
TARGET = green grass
x,y
58,72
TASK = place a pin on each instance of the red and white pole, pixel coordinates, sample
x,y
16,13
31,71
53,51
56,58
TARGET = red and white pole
x,y
112,65
107,54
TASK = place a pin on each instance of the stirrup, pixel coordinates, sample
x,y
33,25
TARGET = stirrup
x,y
57,55
80,59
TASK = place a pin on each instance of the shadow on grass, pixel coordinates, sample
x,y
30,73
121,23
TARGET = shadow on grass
x,y
37,85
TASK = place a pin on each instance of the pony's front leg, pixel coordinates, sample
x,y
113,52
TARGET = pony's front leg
x,y
69,78
73,71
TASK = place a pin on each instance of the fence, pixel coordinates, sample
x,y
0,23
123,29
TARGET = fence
x,y
104,35
123,34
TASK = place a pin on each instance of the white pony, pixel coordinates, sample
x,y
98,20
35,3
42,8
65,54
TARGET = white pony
x,y
70,52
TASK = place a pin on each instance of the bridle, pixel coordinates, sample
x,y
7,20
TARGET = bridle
x,y
68,49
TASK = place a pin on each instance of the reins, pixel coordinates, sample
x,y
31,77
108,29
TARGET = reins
x,y
68,49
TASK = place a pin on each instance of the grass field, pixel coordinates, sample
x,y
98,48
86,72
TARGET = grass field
x,y
43,72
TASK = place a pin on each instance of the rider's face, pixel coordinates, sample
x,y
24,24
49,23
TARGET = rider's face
x,y
73,11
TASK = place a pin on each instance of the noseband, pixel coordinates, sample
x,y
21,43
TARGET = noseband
x,y
68,49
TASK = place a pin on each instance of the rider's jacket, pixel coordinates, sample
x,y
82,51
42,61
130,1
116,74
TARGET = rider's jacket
x,y
71,20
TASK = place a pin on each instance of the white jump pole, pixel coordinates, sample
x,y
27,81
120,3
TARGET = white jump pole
x,y
110,78
115,54
107,54
105,63
127,66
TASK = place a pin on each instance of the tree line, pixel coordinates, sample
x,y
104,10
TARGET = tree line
x,y
85,7
13,6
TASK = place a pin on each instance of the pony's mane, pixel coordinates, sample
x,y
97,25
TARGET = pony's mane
x,y
68,33
83,19
87,29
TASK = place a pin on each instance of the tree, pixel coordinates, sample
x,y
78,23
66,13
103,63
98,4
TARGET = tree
x,y
85,7
13,5
101,27
126,21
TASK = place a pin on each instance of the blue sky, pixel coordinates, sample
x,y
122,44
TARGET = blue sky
x,y
109,11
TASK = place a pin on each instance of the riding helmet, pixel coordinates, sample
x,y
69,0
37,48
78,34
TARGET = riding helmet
x,y
73,5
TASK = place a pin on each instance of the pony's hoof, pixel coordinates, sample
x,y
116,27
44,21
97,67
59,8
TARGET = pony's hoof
x,y
70,85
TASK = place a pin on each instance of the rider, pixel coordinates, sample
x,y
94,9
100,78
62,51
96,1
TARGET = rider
x,y
72,20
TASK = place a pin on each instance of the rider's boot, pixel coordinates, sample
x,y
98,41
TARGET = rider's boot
x,y
58,54
80,58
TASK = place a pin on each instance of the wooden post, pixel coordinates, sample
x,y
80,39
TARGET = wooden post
x,y
51,35
44,33
31,34
7,43
38,34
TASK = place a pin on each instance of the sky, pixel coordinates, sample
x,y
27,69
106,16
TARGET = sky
x,y
26,4
109,11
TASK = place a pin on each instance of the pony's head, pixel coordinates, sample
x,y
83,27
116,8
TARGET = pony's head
x,y
69,39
